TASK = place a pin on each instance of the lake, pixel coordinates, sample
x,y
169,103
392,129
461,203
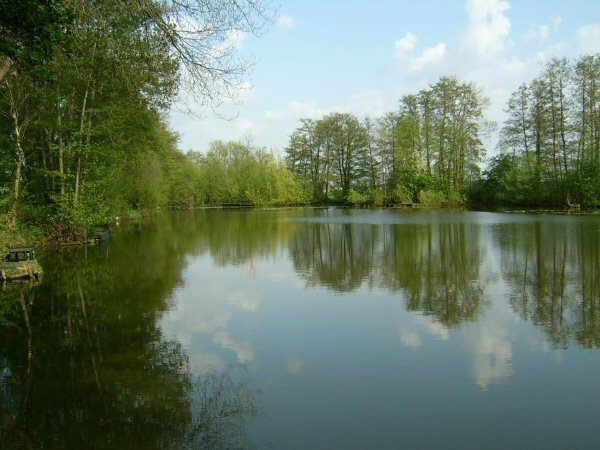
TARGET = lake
x,y
310,328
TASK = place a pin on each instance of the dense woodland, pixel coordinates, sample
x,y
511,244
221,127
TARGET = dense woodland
x,y
85,87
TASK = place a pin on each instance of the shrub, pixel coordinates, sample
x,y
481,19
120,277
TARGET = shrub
x,y
402,194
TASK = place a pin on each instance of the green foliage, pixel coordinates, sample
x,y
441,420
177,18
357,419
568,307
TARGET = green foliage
x,y
434,198
589,185
402,195
549,153
83,92
358,199
375,197
68,219
371,197
233,172
330,156
433,142
32,30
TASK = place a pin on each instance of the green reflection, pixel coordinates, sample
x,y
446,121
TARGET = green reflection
x,y
339,256
435,266
83,363
234,237
553,268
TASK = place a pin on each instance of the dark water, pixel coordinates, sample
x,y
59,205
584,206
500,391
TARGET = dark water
x,y
310,329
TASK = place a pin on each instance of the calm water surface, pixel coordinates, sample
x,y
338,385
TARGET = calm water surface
x,y
325,328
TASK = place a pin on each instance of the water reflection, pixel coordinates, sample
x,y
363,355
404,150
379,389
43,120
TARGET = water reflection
x,y
441,264
435,266
490,344
131,345
553,268
84,363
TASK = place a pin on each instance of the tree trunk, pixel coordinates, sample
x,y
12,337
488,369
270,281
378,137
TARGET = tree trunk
x,y
83,142
562,128
80,149
61,164
5,63
12,220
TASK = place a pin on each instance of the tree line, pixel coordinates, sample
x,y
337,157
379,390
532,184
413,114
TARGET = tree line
x,y
431,150
427,152
550,140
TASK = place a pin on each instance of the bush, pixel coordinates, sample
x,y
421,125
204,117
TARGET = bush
x,y
402,194
432,198
374,197
438,199
357,199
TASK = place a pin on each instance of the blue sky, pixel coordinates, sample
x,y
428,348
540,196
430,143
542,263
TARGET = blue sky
x,y
362,56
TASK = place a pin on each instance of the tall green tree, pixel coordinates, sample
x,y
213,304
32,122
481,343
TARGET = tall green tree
x,y
348,140
551,133
310,158
83,91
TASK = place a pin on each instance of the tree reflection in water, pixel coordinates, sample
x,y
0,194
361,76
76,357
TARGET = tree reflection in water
x,y
83,363
553,269
550,263
435,266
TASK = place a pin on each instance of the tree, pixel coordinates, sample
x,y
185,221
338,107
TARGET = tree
x,y
551,132
234,172
103,74
202,35
31,31
310,158
348,140
331,152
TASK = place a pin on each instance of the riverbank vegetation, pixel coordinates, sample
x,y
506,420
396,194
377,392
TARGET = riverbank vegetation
x,y
84,91
85,88
426,152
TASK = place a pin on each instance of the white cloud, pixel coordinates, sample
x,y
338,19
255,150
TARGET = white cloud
x,y
488,26
428,57
405,45
588,38
245,92
491,347
247,126
233,42
372,103
286,22
435,328
235,39
410,338
541,33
